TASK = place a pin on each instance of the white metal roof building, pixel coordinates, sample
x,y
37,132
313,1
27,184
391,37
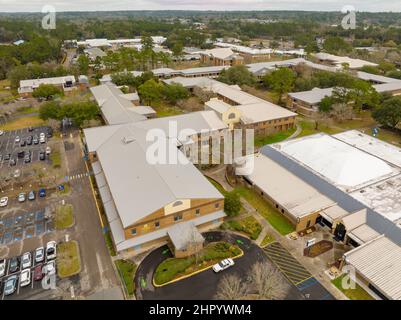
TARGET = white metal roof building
x,y
343,165
292,193
26,86
338,60
252,108
132,187
379,262
312,97
114,106
379,148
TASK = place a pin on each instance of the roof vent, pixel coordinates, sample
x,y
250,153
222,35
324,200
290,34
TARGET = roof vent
x,y
127,140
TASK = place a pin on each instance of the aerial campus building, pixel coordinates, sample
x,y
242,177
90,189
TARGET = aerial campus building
x,y
144,201
348,182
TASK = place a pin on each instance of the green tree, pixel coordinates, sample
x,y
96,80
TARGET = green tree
x,y
362,94
151,91
389,114
239,75
46,91
326,104
175,92
280,81
336,45
80,112
232,204
50,110
83,64
177,49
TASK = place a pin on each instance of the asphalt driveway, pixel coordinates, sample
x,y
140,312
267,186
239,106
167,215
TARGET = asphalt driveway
x,y
202,285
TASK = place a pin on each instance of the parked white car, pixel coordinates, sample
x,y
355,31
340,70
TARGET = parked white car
x,y
42,138
51,250
17,173
2,267
26,260
39,254
4,202
223,265
21,197
25,277
17,139
1,132
49,268
48,150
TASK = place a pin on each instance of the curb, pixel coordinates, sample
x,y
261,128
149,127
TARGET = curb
x,y
193,273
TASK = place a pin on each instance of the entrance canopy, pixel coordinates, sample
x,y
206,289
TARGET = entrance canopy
x,y
184,234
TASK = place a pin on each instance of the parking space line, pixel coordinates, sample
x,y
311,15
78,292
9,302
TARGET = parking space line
x,y
287,264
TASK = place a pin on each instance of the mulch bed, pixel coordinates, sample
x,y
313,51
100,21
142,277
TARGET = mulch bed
x,y
318,248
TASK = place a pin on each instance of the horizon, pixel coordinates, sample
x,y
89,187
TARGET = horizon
x,y
63,6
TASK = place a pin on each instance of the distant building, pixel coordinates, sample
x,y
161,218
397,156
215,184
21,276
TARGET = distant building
x,y
340,61
94,53
221,57
117,107
66,83
239,109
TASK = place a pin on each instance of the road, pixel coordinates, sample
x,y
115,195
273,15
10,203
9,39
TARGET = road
x,y
98,273
203,285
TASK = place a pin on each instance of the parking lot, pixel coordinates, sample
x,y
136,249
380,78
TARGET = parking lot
x,y
33,288
17,227
9,148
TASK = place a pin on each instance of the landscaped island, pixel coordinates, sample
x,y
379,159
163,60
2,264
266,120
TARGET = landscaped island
x,y
175,268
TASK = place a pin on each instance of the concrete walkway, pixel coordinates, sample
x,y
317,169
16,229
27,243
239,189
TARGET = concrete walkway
x,y
219,174
296,133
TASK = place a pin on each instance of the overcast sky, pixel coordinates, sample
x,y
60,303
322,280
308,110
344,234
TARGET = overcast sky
x,y
108,5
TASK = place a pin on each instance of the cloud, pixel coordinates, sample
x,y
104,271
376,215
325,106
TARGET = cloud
x,y
96,5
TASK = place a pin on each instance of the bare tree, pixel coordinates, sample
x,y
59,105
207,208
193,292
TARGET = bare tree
x,y
54,124
342,111
231,288
267,282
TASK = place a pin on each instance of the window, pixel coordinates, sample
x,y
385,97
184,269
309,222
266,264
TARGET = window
x,y
217,205
177,217
157,224
177,203
197,212
133,231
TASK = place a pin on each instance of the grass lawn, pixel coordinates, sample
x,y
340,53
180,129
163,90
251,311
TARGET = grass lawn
x,y
68,259
27,110
164,110
127,269
174,268
22,123
280,136
64,216
249,226
309,127
109,244
66,189
354,294
55,158
275,218
267,240
217,185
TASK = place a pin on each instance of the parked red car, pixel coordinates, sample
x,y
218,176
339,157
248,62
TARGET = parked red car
x,y
38,273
